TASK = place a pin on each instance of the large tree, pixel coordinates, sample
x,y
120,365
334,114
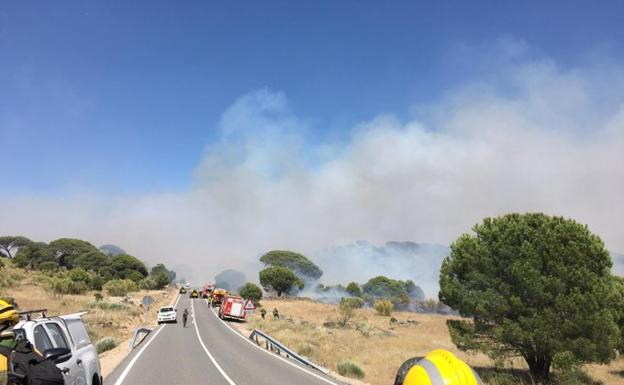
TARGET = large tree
x,y
279,279
10,244
71,253
534,286
161,268
296,262
33,255
124,265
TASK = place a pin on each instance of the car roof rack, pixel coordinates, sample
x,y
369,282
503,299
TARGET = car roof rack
x,y
27,314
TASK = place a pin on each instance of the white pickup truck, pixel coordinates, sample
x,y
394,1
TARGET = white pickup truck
x,y
82,366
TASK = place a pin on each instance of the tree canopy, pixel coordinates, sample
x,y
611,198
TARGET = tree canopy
x,y
161,268
296,262
535,286
11,243
251,291
399,292
279,279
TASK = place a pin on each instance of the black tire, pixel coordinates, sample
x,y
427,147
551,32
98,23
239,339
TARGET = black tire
x,y
95,380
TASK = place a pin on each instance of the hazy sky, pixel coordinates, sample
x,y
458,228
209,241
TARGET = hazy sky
x,y
210,130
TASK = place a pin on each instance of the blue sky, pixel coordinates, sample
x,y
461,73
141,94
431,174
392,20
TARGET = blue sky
x,y
124,96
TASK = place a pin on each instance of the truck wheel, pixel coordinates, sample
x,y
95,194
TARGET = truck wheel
x,y
95,380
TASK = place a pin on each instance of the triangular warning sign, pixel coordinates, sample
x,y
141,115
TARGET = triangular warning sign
x,y
249,305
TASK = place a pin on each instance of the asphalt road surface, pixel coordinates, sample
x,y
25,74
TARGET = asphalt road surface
x,y
209,352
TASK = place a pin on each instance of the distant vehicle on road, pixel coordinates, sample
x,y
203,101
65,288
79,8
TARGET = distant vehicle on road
x,y
207,290
182,290
232,308
194,294
81,365
167,314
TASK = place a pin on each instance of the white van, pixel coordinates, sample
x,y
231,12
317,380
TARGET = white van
x,y
82,365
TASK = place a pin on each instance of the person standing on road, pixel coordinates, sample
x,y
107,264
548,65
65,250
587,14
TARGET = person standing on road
x,y
184,317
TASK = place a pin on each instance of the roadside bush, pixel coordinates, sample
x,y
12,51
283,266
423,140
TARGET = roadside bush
x,y
349,369
48,267
6,279
107,306
79,275
96,282
120,287
355,303
67,286
147,284
105,344
383,307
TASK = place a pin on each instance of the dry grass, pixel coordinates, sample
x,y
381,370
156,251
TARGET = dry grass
x,y
370,341
118,324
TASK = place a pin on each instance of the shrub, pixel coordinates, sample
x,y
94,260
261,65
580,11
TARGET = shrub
x,y
107,306
383,307
120,287
355,303
2,264
147,284
79,275
67,286
349,369
105,344
98,296
354,289
96,282
48,266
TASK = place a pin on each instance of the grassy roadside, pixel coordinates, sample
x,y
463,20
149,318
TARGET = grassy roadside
x,y
378,347
111,317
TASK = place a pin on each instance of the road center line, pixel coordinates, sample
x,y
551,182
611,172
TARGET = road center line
x,y
273,354
123,375
227,378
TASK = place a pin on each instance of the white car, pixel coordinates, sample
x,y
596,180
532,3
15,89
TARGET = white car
x,y
167,314
80,364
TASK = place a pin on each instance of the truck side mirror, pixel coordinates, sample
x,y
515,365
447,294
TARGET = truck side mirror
x,y
57,355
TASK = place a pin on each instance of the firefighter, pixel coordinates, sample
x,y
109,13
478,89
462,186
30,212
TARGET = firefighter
x,y
20,363
262,313
184,317
439,367
275,313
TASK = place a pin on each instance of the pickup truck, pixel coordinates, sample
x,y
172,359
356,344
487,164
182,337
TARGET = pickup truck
x,y
82,365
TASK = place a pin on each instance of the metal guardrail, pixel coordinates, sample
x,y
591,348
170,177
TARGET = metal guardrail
x,y
273,345
138,332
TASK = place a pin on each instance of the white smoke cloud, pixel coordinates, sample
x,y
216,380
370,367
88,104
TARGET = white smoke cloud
x,y
529,136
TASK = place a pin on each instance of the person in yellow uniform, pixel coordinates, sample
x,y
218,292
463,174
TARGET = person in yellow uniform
x,y
439,367
8,318
20,362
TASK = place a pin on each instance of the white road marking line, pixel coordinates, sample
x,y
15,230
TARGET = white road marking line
x,y
227,378
123,375
273,354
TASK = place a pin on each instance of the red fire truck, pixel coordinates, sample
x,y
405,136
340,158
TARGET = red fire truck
x,y
207,290
232,308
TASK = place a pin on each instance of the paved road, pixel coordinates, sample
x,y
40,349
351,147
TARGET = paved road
x,y
207,351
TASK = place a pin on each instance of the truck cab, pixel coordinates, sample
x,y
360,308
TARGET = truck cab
x,y
83,365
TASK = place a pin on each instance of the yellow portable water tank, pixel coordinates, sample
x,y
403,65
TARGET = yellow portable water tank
x,y
441,367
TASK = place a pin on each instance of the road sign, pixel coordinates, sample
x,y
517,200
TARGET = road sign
x,y
249,305
147,301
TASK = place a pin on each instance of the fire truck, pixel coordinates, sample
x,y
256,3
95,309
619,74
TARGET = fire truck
x,y
232,308
217,296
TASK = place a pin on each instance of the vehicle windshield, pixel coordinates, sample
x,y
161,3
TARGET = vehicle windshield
x,y
166,309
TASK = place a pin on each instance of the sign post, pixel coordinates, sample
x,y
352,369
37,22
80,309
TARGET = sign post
x,y
249,306
147,302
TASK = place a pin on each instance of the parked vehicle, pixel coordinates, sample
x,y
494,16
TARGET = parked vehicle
x,y
82,365
232,308
207,290
167,314
194,294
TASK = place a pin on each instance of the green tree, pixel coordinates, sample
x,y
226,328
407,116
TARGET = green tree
x,y
251,291
296,262
161,279
68,250
354,289
161,268
123,263
10,244
535,286
394,290
278,279
33,254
